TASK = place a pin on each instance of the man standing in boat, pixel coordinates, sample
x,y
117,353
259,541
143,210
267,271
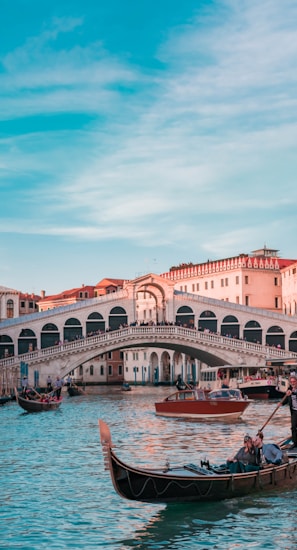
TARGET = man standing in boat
x,y
58,387
291,399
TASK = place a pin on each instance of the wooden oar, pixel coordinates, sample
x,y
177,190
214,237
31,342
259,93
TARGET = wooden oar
x,y
273,413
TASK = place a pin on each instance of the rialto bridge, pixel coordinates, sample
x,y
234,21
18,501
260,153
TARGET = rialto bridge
x,y
146,313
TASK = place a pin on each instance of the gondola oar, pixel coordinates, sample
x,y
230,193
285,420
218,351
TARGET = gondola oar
x,y
273,413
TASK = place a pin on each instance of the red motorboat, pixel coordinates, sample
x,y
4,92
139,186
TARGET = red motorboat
x,y
196,403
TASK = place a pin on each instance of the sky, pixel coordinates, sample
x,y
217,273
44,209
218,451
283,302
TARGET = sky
x,y
139,135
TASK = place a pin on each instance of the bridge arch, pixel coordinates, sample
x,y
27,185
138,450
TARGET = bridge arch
x,y
208,321
230,326
6,346
27,341
72,329
293,341
275,337
185,317
252,332
49,336
95,323
117,317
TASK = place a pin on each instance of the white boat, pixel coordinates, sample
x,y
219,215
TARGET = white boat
x,y
255,382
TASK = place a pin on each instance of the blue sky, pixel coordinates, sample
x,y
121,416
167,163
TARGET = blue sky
x,y
138,135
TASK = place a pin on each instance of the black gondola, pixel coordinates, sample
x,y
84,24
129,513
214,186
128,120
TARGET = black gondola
x,y
191,483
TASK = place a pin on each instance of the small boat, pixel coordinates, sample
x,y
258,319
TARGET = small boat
x,y
5,399
200,404
192,483
74,390
126,386
36,404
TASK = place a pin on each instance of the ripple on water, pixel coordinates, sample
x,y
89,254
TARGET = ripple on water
x,y
56,493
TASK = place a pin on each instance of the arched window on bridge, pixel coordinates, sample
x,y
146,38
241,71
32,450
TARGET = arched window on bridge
x,y
293,341
6,346
185,317
252,332
9,309
72,330
95,324
230,326
50,335
208,322
117,317
27,341
275,337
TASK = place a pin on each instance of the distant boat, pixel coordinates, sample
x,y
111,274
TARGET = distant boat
x,y
126,386
195,403
38,405
5,399
74,390
194,483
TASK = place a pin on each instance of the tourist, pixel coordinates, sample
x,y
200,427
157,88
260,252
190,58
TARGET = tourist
x,y
49,384
268,453
58,387
246,459
24,385
291,399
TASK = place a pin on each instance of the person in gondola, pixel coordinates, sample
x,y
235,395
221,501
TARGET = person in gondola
x,y
58,387
24,385
246,459
268,453
180,383
291,400
49,384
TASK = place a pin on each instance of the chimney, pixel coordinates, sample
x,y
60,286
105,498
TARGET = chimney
x,y
42,293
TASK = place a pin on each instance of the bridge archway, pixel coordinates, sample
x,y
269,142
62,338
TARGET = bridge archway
x,y
208,321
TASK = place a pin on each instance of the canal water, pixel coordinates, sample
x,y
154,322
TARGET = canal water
x,y
55,493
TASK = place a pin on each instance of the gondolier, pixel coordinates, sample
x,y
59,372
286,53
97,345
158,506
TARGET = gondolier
x,y
291,399
58,387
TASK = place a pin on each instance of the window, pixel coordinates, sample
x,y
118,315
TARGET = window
x,y
275,281
91,370
212,284
197,286
81,370
9,309
237,299
226,282
31,305
126,356
120,370
193,288
110,355
135,356
222,282
247,300
109,370
246,279
276,302
237,280
206,285
186,288
144,355
22,303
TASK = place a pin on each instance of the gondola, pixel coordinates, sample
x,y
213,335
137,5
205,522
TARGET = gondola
x,y
36,405
74,390
192,483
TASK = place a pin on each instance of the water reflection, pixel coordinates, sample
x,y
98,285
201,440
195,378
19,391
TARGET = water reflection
x,y
261,522
56,493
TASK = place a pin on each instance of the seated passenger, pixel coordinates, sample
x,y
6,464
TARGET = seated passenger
x,y
246,459
269,453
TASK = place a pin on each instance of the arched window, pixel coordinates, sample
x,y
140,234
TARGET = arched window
x,y
9,309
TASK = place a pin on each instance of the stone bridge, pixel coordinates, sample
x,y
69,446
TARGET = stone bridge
x,y
211,349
